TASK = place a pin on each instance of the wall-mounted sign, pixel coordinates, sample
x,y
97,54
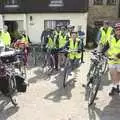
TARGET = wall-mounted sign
x,y
56,3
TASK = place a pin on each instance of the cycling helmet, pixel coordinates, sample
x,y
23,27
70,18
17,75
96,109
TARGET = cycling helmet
x,y
117,26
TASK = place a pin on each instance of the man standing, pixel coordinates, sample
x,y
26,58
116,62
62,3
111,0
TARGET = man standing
x,y
105,33
6,36
113,50
2,46
81,35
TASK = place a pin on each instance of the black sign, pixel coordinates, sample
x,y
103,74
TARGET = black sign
x,y
56,3
50,6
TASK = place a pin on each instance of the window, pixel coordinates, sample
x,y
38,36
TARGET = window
x,y
12,3
52,23
111,2
98,2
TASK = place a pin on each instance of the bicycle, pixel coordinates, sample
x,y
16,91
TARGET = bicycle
x,y
7,76
48,61
35,53
68,65
94,76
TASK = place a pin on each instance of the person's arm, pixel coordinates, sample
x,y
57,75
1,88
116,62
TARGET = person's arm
x,y
29,39
98,36
105,48
42,37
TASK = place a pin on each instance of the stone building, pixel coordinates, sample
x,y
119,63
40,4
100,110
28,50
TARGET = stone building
x,y
100,10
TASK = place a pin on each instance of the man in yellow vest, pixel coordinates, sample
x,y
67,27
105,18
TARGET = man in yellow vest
x,y
2,46
113,50
6,36
104,34
62,43
74,45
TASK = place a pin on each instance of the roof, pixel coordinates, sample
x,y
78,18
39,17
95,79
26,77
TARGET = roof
x,y
46,6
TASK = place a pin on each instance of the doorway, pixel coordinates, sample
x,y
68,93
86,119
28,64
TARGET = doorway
x,y
14,27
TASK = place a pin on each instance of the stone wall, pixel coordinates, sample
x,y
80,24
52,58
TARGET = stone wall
x,y
102,12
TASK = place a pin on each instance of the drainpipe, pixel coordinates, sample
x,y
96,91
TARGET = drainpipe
x,y
25,24
118,8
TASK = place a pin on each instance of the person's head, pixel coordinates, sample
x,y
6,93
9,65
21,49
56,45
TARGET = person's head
x,y
117,30
5,28
58,27
63,29
106,24
23,32
74,35
79,28
70,28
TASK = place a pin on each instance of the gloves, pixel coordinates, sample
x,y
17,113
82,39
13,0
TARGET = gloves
x,y
118,55
79,50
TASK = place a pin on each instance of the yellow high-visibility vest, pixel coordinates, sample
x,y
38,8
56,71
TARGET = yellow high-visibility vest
x,y
62,41
25,40
74,47
6,38
114,50
50,43
105,36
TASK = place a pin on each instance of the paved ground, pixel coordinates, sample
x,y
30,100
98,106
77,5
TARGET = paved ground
x,y
46,99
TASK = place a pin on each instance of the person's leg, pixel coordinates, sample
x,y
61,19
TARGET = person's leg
x,y
115,79
56,61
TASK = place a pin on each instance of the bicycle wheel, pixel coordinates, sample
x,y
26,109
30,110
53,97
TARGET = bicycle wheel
x,y
22,69
93,88
50,63
12,90
66,73
91,71
105,66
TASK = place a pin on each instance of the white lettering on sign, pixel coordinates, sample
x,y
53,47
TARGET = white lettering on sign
x,y
56,3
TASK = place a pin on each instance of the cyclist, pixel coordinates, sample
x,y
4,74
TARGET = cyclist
x,y
62,42
6,36
81,36
2,46
113,50
73,45
70,28
50,46
23,46
104,33
57,34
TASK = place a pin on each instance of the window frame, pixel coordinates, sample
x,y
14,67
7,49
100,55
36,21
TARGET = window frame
x,y
97,2
111,3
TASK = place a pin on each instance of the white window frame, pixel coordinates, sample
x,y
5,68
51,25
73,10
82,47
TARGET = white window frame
x,y
96,2
111,2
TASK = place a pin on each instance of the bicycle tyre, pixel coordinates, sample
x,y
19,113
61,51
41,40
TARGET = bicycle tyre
x,y
91,71
66,72
92,95
65,77
12,88
105,67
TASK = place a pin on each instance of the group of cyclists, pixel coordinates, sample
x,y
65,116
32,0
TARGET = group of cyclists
x,y
21,42
67,38
64,38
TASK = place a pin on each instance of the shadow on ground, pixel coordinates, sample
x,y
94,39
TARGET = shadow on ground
x,y
6,112
39,75
110,112
61,93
